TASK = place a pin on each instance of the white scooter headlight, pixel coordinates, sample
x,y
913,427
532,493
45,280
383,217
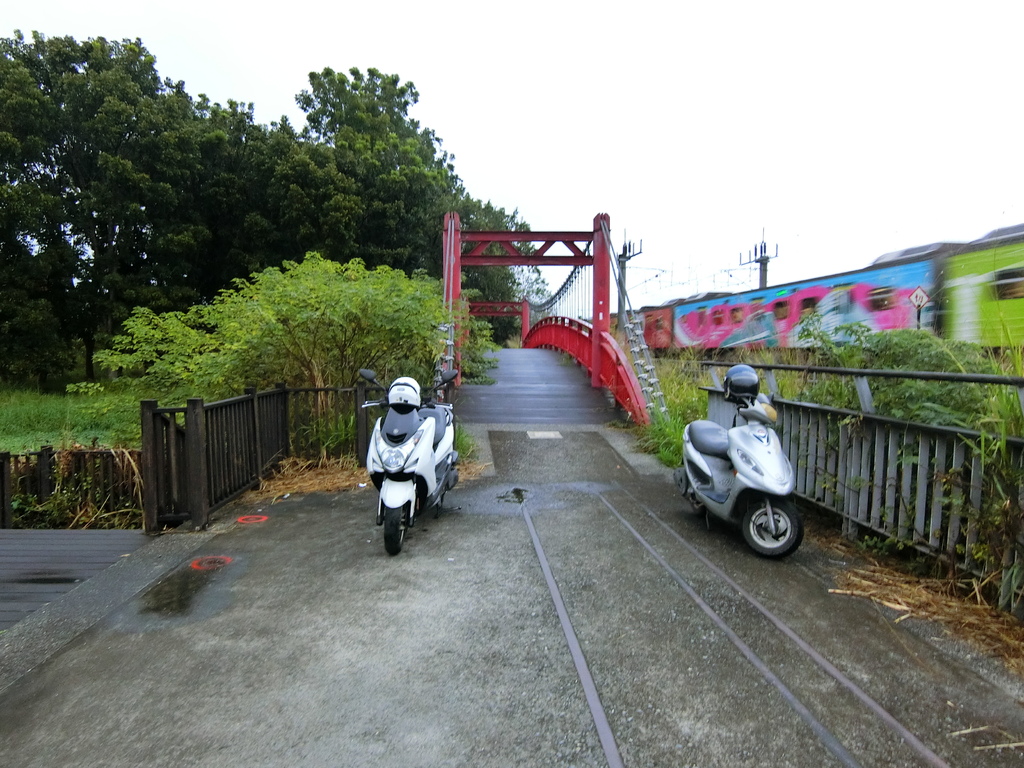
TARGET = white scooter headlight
x,y
394,458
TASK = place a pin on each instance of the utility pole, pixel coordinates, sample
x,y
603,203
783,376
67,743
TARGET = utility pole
x,y
760,257
628,253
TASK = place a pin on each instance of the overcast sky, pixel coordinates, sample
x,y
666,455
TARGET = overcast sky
x,y
841,131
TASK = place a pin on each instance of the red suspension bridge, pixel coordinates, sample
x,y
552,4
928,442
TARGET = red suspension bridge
x,y
576,320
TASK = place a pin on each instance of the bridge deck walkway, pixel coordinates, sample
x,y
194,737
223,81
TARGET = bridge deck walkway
x,y
535,386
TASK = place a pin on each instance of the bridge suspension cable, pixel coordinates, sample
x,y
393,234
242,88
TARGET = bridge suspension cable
x,y
573,299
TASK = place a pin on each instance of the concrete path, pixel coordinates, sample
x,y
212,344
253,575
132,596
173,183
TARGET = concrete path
x,y
564,610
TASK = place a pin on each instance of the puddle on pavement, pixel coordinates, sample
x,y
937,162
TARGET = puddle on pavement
x,y
515,496
173,596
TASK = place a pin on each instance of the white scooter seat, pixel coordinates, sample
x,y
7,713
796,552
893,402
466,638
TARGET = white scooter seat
x,y
709,438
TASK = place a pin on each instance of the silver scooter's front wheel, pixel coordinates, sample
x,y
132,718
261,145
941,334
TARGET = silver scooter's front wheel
x,y
772,527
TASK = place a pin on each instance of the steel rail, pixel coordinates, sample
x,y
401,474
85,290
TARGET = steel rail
x,y
827,738
604,729
873,706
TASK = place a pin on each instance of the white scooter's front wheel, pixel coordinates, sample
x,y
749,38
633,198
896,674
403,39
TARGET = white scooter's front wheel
x,y
788,527
394,528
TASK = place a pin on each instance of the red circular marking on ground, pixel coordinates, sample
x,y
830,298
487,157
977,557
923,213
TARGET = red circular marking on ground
x,y
210,563
253,518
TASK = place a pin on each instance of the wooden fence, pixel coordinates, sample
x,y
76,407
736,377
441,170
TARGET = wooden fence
x,y
101,482
933,488
193,459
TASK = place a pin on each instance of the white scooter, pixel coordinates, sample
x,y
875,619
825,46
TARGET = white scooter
x,y
742,475
412,459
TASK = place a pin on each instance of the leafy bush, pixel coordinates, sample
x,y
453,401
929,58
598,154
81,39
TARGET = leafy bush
x,y
312,323
681,382
927,402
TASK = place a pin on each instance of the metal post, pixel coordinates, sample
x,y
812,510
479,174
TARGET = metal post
x,y
623,258
867,403
452,265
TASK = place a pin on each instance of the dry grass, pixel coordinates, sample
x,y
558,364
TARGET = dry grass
x,y
953,605
328,476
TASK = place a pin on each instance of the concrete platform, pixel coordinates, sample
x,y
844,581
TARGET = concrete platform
x,y
561,612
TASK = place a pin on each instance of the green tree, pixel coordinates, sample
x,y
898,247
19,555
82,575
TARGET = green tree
x,y
96,148
404,179
313,323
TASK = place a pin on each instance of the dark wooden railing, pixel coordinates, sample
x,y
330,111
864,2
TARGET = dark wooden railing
x,y
101,481
196,458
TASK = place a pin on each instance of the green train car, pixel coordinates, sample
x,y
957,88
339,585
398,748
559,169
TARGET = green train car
x,y
982,290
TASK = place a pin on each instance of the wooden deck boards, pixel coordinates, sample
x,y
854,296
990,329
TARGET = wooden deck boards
x,y
38,566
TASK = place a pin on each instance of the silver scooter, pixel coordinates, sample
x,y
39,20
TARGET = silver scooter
x,y
742,475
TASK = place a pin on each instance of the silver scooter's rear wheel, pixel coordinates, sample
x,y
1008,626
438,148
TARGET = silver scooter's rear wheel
x,y
788,525
394,528
682,481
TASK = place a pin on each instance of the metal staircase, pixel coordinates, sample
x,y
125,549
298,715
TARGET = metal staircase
x,y
639,352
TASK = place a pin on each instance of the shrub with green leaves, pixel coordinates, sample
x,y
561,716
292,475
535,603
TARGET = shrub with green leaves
x,y
927,402
312,323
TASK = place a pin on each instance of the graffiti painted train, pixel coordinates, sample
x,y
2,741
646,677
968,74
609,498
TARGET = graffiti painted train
x,y
974,292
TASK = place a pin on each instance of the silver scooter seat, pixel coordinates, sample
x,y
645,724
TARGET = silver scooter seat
x,y
709,438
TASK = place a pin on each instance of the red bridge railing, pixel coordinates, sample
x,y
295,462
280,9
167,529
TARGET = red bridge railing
x,y
613,368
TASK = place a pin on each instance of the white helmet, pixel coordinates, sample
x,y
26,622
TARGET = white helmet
x,y
404,391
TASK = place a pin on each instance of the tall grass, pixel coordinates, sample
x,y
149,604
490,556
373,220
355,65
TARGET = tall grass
x,y
681,381
88,417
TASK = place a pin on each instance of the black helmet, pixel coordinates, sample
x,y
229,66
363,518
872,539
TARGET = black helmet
x,y
741,384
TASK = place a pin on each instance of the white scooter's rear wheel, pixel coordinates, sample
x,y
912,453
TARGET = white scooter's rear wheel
x,y
757,529
394,528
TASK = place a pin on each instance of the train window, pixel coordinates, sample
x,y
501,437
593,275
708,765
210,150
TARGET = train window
x,y
702,316
736,315
1009,284
880,299
717,316
808,305
781,309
